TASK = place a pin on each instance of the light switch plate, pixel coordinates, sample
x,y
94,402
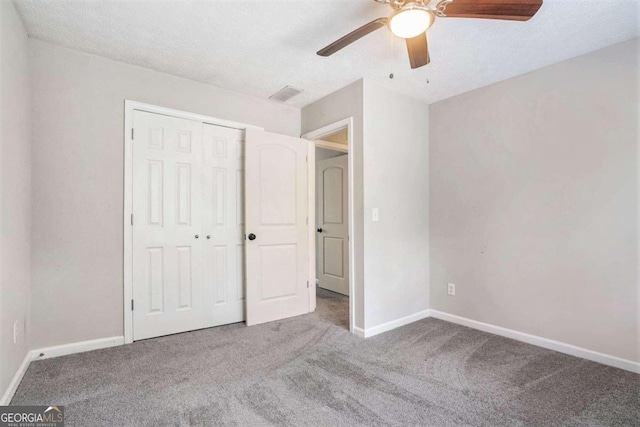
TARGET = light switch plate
x,y
375,215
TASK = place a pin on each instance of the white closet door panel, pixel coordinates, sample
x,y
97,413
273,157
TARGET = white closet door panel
x,y
223,225
167,258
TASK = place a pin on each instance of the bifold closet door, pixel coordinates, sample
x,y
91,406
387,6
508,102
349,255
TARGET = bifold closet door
x,y
167,231
223,225
189,207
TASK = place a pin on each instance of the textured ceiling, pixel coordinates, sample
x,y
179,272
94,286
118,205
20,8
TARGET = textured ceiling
x,y
257,47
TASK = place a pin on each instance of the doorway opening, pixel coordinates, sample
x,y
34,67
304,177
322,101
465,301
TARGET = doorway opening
x,y
333,223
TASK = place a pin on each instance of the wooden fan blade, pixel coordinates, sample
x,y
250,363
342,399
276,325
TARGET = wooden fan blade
x,y
418,51
511,10
352,37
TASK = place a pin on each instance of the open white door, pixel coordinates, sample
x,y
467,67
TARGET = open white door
x,y
333,225
277,229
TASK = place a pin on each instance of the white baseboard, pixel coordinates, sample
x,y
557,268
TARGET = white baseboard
x,y
558,346
55,351
396,323
76,347
359,332
15,381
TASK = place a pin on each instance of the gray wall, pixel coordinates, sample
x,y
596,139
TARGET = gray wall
x,y
396,181
344,103
78,113
324,154
390,139
15,192
534,202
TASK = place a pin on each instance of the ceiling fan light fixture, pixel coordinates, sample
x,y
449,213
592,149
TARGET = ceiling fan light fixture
x,y
411,20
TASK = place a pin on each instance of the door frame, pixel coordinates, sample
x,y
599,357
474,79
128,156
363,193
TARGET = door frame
x,y
315,136
129,108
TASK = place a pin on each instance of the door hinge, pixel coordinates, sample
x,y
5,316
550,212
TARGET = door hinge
x,y
306,159
131,305
132,134
131,219
307,283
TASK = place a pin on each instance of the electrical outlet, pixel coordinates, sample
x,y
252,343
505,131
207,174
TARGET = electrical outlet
x,y
15,331
451,289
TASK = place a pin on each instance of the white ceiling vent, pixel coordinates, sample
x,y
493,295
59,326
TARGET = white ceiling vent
x,y
286,93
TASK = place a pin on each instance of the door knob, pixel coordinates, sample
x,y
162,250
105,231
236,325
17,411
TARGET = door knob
x,y
208,236
252,236
197,236
319,230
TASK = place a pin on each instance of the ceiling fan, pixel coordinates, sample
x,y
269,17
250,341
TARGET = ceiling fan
x,y
411,19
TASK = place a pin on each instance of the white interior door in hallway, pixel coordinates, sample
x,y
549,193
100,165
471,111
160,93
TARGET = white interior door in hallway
x,y
333,225
187,225
278,250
